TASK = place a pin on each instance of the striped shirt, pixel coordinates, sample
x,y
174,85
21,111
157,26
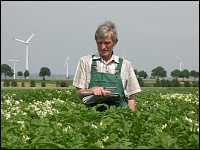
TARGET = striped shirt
x,y
83,73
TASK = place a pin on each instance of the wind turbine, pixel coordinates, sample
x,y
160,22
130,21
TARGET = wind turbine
x,y
66,62
14,66
181,63
26,43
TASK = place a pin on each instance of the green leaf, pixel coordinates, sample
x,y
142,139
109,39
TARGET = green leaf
x,y
8,129
35,140
143,147
52,145
170,142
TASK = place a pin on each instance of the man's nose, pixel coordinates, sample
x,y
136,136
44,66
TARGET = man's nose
x,y
103,46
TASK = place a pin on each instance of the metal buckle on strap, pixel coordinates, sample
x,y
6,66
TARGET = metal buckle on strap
x,y
94,67
117,71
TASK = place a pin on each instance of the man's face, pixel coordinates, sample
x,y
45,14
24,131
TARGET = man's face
x,y
105,46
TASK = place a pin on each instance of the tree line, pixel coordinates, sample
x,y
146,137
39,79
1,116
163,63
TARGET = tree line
x,y
156,73
160,72
6,70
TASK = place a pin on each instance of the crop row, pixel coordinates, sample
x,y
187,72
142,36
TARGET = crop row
x,y
56,118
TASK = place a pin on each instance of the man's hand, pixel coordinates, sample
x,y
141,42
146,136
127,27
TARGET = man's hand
x,y
99,91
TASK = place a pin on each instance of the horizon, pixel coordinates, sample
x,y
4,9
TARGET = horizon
x,y
54,76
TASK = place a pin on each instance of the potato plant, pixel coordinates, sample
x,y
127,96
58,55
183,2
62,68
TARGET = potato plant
x,y
56,118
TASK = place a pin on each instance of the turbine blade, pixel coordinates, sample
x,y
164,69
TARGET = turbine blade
x,y
178,58
19,40
66,60
65,63
13,60
30,37
68,57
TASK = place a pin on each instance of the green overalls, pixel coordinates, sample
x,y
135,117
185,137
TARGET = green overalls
x,y
112,82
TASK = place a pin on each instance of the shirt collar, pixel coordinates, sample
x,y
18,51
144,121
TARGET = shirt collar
x,y
113,58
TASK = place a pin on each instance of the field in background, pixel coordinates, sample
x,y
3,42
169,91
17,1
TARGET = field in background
x,y
51,83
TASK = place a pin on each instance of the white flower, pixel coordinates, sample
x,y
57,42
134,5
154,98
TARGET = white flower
x,y
59,124
2,111
94,126
187,119
24,113
65,129
25,138
101,123
44,114
164,126
192,112
7,115
16,102
14,114
105,138
36,108
21,122
7,101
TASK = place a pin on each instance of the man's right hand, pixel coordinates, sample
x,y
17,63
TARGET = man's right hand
x,y
99,91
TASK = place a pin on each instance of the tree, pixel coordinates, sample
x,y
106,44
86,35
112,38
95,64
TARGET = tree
x,y
163,83
20,73
185,74
141,82
159,72
176,73
187,84
26,74
175,83
158,83
142,74
194,74
169,83
136,72
6,70
44,71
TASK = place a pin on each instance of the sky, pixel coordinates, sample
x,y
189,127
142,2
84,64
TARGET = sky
x,y
150,33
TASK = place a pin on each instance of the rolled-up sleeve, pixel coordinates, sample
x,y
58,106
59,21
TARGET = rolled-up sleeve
x,y
129,79
82,74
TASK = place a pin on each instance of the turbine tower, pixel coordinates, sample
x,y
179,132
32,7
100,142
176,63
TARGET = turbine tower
x,y
181,63
26,43
14,66
66,62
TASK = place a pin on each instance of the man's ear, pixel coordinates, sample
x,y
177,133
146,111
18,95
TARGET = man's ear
x,y
116,41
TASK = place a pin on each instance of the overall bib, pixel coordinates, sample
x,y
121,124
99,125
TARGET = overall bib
x,y
112,82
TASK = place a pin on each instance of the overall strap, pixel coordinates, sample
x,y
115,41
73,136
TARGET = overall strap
x,y
94,65
118,69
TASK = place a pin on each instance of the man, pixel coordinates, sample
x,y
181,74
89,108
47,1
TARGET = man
x,y
104,69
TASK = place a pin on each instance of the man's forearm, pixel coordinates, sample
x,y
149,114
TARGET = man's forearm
x,y
131,103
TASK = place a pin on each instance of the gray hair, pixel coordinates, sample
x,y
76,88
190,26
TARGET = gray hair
x,y
104,28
